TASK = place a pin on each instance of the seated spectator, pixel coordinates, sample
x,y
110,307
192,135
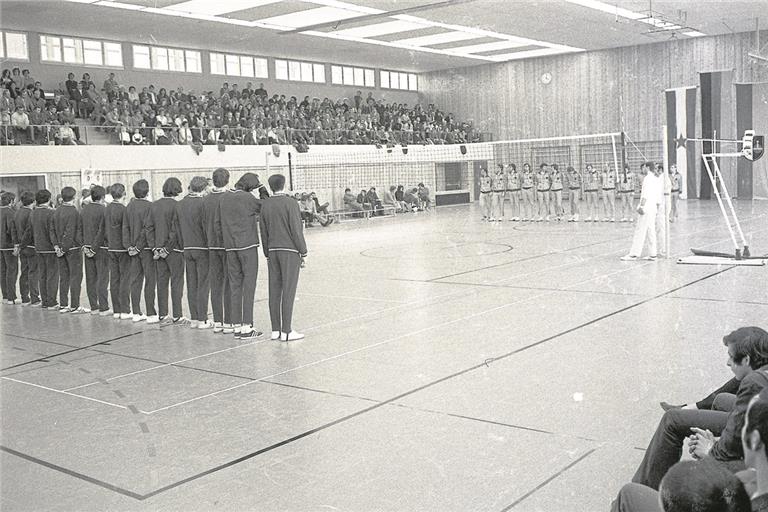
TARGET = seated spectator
x,y
66,135
372,198
390,201
748,359
308,205
362,199
22,129
322,208
7,132
411,199
351,203
638,498
185,134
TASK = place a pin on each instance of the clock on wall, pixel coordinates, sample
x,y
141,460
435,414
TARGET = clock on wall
x,y
546,78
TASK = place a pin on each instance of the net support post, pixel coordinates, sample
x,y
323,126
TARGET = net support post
x,y
667,196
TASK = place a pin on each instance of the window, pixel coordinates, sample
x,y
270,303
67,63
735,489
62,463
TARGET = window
x,y
50,48
306,72
163,59
141,58
13,45
92,53
176,60
238,65
217,64
319,73
281,69
73,50
397,80
347,75
194,64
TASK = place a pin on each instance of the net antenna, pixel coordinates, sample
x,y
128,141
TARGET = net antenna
x,y
751,147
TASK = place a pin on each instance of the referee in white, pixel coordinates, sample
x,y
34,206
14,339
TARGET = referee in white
x,y
651,199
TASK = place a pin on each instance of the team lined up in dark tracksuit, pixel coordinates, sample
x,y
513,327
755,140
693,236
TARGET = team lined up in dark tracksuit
x,y
146,246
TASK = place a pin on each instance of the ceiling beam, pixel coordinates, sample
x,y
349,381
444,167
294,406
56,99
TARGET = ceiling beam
x,y
387,14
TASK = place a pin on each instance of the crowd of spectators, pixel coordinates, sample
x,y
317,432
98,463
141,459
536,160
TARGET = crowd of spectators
x,y
231,115
396,199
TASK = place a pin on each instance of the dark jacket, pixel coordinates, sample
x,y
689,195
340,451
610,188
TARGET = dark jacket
x,y
113,225
42,225
191,223
280,224
67,230
162,220
732,387
8,236
138,231
728,446
23,221
92,216
239,219
213,233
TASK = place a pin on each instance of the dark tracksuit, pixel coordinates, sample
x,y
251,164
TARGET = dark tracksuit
x,y
218,275
119,261
284,246
96,268
138,232
29,285
238,218
192,230
47,267
9,263
67,233
170,268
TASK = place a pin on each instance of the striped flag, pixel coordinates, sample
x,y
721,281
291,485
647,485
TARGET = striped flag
x,y
681,124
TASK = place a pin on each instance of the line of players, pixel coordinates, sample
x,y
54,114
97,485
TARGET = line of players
x,y
538,196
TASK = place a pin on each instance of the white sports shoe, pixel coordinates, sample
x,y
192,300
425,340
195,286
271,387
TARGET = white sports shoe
x,y
275,335
228,329
105,313
218,327
629,257
139,318
205,324
153,319
116,316
194,323
291,336
125,316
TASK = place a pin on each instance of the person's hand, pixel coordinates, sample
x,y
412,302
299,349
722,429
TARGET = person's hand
x,y
303,263
640,210
58,251
16,250
700,443
132,251
89,253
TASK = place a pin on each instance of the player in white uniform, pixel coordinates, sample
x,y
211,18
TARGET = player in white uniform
x,y
677,184
498,189
556,192
608,182
543,185
574,191
591,187
627,194
485,194
513,190
528,193
651,198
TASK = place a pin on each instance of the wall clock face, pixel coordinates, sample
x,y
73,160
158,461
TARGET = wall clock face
x,y
546,78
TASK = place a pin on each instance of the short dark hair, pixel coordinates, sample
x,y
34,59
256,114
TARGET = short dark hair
x,y
97,193
171,187
141,188
198,184
42,196
117,190
649,165
27,198
276,182
220,177
347,190
702,486
757,418
248,182
749,341
68,194
7,198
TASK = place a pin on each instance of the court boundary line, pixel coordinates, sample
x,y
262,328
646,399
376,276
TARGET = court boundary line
x,y
64,392
547,481
45,359
69,472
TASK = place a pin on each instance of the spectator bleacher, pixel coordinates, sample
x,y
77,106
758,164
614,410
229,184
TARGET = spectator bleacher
x,y
228,116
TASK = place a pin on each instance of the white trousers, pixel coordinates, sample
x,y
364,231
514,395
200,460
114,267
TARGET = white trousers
x,y
645,230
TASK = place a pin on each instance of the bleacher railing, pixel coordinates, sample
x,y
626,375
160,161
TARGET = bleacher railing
x,y
56,134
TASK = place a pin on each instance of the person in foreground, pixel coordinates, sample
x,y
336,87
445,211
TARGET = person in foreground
x,y
703,485
285,249
748,359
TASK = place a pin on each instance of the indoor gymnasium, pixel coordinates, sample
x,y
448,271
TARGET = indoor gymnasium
x,y
384,255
